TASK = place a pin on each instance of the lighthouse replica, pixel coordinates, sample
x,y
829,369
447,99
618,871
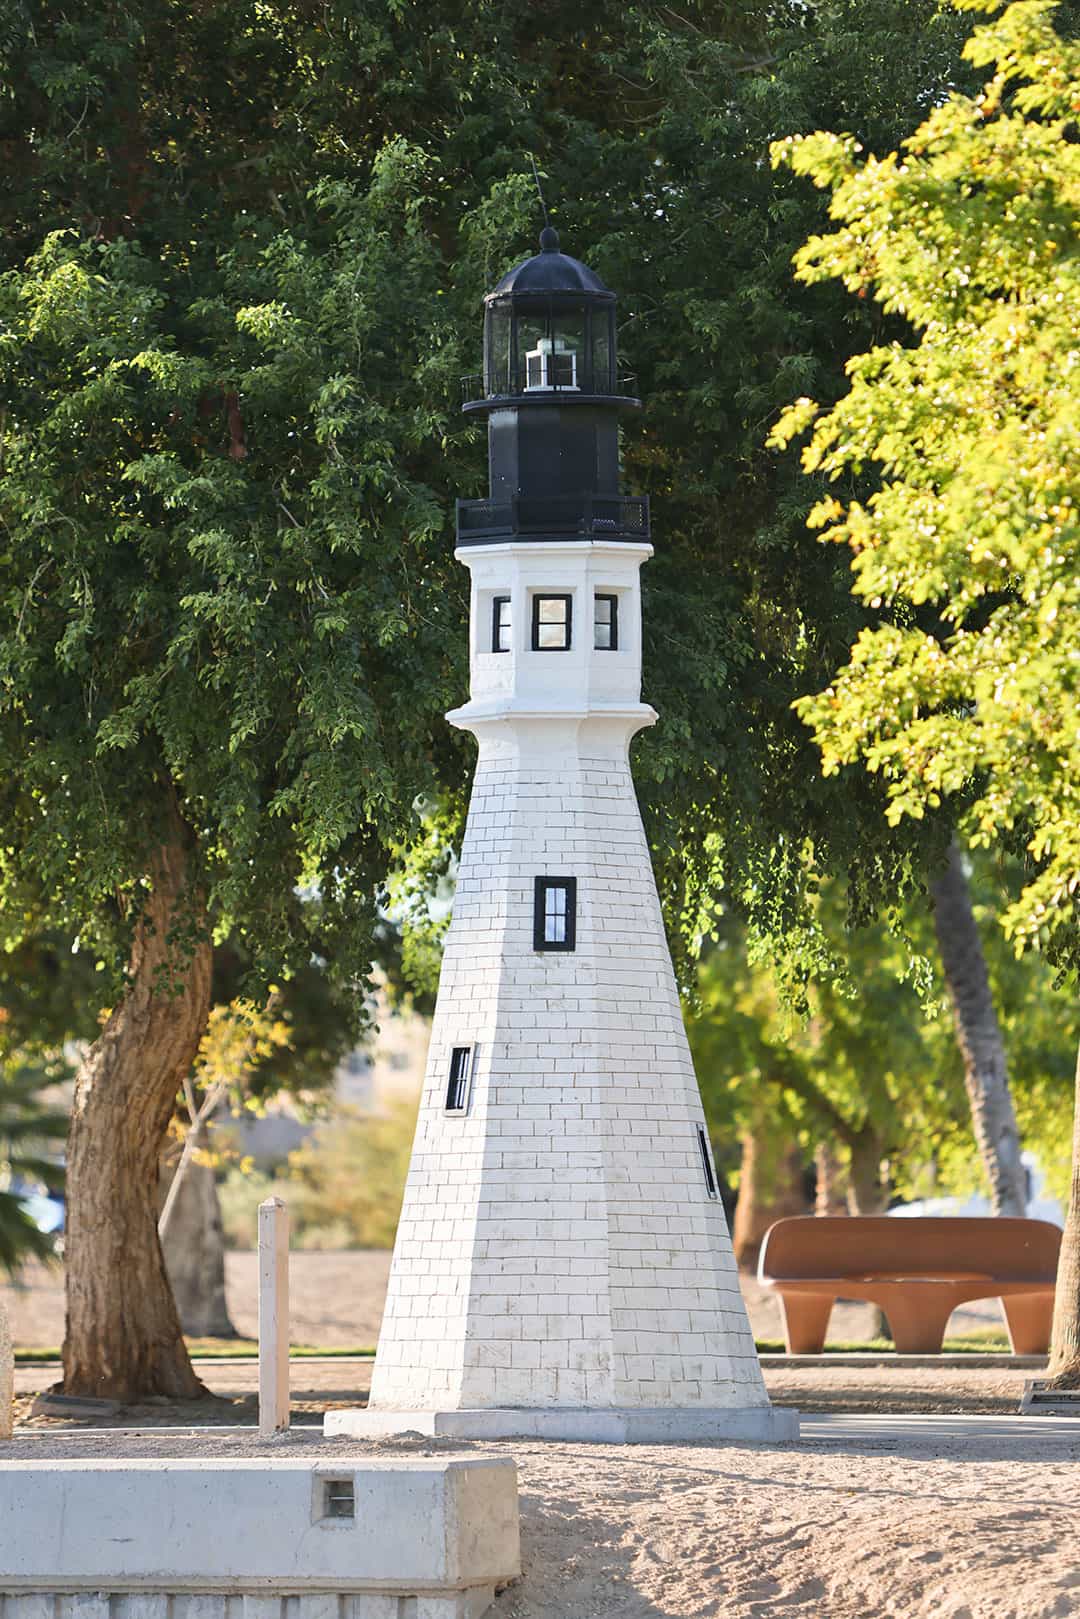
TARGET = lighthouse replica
x,y
562,1267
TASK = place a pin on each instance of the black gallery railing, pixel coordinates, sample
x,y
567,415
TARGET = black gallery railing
x,y
622,517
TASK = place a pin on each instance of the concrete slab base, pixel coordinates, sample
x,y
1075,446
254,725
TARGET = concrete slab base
x,y
760,1424
46,1604
340,1537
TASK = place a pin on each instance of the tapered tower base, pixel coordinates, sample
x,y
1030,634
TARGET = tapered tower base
x,y
563,1267
753,1425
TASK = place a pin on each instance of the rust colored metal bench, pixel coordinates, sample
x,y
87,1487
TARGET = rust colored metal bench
x,y
917,1271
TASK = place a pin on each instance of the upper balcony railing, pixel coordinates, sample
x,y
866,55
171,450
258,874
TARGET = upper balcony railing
x,y
474,391
591,517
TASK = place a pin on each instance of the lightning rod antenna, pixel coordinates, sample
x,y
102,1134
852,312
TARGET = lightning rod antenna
x,y
539,188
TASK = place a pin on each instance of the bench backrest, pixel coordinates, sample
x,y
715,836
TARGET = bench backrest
x,y
1008,1249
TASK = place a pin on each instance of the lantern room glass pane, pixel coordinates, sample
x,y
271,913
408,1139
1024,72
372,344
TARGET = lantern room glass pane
x,y
549,348
603,351
532,336
568,349
497,350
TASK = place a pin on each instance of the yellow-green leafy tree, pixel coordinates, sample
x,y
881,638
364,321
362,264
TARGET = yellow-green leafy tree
x,y
968,435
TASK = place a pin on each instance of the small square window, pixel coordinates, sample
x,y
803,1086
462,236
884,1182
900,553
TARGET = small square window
x,y
457,1086
706,1163
606,623
551,623
501,624
555,913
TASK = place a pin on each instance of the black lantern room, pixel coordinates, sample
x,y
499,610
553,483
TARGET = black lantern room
x,y
552,399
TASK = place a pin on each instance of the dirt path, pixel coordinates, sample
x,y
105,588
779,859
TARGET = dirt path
x,y
337,1299
318,1386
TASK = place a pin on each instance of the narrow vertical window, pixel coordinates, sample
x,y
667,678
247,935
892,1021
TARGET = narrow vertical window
x,y
500,624
606,623
551,623
457,1086
706,1162
555,913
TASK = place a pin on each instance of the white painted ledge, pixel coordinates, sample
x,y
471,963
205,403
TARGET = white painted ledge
x,y
421,1528
758,1425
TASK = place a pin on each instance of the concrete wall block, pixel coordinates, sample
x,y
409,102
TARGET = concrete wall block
x,y
371,1606
207,1605
84,1605
38,1605
199,1529
314,1605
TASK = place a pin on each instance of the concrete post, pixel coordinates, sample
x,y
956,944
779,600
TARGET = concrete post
x,y
7,1375
273,1316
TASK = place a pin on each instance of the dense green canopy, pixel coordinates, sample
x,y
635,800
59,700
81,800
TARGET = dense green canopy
x,y
244,254
971,543
967,691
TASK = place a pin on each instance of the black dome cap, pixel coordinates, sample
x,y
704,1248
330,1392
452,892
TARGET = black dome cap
x,y
550,271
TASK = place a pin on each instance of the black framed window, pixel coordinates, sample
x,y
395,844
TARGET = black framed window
x,y
606,623
555,913
457,1084
501,624
551,623
706,1162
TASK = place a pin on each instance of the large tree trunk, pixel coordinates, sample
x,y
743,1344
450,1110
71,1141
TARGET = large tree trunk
x,y
123,1334
194,1248
1065,1334
867,1192
770,1187
829,1197
978,1032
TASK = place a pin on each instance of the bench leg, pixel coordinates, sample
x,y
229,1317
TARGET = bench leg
x,y
806,1319
1028,1317
917,1322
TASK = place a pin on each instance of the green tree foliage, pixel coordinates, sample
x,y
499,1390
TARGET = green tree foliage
x,y
873,1071
30,1135
966,690
36,986
244,252
969,688
344,1185
227,605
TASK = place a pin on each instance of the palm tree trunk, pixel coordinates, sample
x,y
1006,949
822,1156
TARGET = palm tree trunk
x,y
123,1334
1065,1334
986,1074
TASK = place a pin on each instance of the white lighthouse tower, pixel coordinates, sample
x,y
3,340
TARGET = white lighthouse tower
x,y
562,1265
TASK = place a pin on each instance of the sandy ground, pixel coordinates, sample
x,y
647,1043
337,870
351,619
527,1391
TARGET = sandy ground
x,y
975,1522
337,1299
932,1517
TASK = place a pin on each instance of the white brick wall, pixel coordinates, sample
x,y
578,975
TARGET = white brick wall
x,y
557,1245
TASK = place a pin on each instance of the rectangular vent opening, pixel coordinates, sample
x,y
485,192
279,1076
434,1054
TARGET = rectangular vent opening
x,y
706,1163
339,1500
